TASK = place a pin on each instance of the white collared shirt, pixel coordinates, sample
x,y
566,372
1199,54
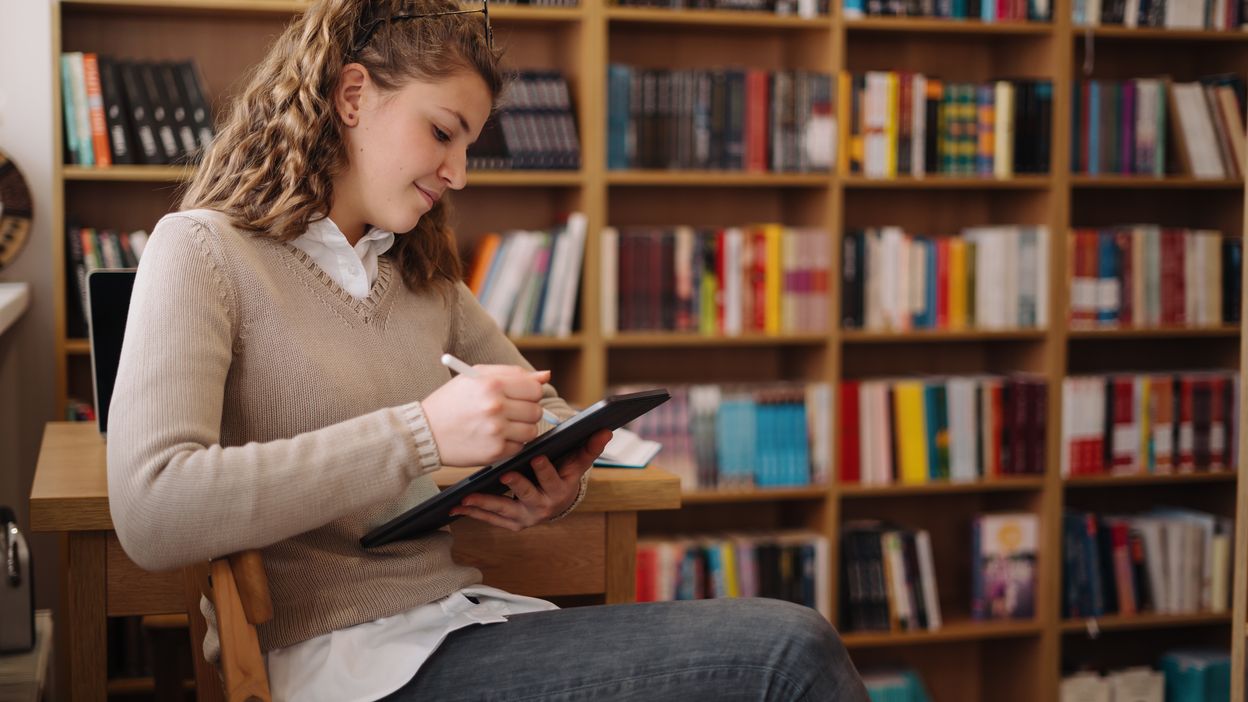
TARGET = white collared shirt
x,y
353,268
371,660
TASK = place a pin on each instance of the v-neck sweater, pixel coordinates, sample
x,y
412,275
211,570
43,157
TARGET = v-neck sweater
x,y
260,405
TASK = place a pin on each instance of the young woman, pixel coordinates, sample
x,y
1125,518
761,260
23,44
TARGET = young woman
x,y
280,389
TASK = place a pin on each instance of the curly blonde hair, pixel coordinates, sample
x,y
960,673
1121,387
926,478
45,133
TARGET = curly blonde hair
x,y
272,165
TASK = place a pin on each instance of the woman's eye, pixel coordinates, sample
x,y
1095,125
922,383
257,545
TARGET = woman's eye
x,y
441,135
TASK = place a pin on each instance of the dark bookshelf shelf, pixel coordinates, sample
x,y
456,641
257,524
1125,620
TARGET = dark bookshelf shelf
x,y
1148,182
938,182
929,25
718,179
139,686
1160,34
1154,333
954,631
943,487
1214,476
538,343
660,339
77,347
525,178
717,497
714,18
1116,622
936,336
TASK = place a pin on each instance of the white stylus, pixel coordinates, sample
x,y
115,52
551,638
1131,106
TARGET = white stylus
x,y
464,369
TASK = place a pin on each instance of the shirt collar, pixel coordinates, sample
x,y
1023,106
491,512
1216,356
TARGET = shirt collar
x,y
376,241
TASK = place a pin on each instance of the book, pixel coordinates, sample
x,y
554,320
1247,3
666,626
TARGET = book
x,y
1004,566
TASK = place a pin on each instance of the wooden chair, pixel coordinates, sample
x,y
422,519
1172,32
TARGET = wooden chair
x,y
239,590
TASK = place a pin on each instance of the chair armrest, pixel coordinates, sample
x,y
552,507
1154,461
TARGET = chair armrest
x,y
253,585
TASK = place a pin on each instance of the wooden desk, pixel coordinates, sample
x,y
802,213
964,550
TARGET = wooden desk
x,y
590,553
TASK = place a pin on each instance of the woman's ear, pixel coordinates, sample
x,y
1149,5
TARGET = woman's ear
x,y
350,92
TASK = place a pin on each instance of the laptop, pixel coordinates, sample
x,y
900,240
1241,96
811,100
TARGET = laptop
x,y
108,303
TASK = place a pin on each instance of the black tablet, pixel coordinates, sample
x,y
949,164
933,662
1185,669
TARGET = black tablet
x,y
611,413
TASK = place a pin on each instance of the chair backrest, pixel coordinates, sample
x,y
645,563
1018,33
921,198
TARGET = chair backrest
x,y
239,591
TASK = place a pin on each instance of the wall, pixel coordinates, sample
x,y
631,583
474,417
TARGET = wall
x,y
26,135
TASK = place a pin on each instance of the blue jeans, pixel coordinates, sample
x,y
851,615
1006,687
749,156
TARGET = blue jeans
x,y
730,649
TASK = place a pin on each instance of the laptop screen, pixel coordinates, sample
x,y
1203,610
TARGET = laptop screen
x,y
108,299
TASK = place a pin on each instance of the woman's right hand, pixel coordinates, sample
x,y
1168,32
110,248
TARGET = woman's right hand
x,y
476,420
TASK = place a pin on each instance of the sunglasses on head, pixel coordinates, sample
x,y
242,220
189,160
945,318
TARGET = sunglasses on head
x,y
368,27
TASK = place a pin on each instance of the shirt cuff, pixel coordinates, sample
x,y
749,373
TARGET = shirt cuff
x,y
579,496
426,448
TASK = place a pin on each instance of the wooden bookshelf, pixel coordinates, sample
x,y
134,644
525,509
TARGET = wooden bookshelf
x,y
1094,626
1216,476
966,660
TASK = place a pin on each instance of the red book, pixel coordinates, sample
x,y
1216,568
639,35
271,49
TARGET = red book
x,y
997,426
1123,239
721,278
756,104
1125,437
1217,424
95,106
1123,573
942,283
758,279
646,560
851,454
1185,457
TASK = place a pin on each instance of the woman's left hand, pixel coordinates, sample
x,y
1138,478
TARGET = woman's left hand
x,y
555,491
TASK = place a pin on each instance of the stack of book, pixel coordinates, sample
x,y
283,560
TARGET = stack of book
x,y
915,431
1168,14
1003,566
1147,276
982,10
533,128
986,278
889,578
790,566
720,119
1121,127
737,437
909,124
1156,423
808,9
894,685
128,112
767,279
1167,561
1140,684
528,281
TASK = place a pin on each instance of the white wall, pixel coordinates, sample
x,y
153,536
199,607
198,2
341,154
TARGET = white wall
x,y
26,135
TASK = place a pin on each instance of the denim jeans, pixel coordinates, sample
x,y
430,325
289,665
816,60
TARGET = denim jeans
x,y
729,649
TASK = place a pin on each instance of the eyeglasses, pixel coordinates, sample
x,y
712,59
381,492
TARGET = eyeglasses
x,y
368,27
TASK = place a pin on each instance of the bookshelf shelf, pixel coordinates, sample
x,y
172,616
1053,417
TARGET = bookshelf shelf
x,y
1147,183
525,178
537,343
1217,476
864,337
715,18
715,497
718,178
1144,621
649,340
966,630
78,347
133,174
1035,182
1160,34
922,25
1154,333
943,487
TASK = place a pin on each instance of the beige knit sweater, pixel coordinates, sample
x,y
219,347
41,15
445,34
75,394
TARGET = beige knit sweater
x,y
258,405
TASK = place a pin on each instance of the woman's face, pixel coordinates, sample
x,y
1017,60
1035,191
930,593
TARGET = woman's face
x,y
406,148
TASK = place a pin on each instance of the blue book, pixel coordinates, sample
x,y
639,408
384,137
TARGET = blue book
x,y
618,79
1108,293
1094,131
